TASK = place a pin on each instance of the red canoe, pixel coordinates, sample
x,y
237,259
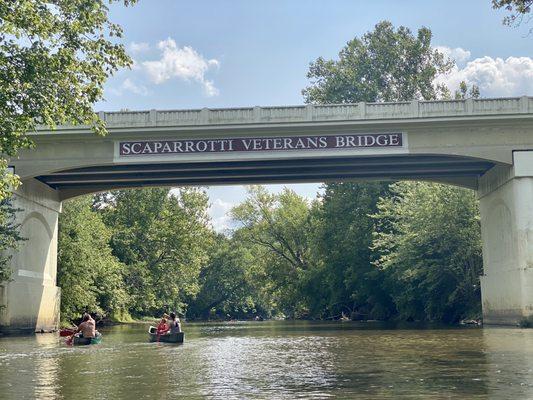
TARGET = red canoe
x,y
67,332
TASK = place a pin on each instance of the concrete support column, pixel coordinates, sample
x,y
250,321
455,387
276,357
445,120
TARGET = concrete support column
x,y
31,299
506,205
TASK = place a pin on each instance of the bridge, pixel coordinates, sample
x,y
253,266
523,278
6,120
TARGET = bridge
x,y
483,144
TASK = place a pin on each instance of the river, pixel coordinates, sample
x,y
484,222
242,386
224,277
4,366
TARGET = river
x,y
274,360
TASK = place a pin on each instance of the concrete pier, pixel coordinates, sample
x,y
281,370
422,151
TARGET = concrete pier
x,y
31,298
506,205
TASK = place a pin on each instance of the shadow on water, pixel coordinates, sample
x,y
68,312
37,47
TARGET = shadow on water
x,y
275,359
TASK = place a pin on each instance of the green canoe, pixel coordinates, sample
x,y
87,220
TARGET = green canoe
x,y
81,341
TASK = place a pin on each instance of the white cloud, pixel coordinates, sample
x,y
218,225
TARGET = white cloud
x,y
496,77
219,212
136,48
458,54
183,63
129,85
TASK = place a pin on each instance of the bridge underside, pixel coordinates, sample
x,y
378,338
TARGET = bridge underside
x,y
463,171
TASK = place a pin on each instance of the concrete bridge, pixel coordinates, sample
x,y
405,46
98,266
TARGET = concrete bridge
x,y
485,145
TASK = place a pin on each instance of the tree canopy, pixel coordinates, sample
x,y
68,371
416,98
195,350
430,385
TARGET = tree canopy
x,y
386,64
54,59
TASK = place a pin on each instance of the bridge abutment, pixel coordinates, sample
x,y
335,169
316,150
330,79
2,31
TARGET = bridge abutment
x,y
506,205
31,299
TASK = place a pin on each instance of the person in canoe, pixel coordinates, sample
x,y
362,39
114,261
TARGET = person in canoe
x,y
87,329
163,327
175,324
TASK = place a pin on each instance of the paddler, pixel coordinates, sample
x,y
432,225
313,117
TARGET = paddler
x,y
87,327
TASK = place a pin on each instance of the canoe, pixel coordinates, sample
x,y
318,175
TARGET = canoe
x,y
168,338
81,341
67,332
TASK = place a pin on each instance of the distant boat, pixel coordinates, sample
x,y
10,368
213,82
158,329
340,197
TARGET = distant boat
x,y
176,337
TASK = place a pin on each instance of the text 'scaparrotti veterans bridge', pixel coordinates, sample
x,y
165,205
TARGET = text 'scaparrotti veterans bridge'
x,y
485,145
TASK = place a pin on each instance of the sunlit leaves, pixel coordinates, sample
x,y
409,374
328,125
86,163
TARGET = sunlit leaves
x,y
386,64
54,59
429,241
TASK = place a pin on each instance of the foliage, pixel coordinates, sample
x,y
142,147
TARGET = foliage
x,y
467,93
9,237
90,277
231,283
54,59
518,10
386,64
351,285
280,224
428,239
163,239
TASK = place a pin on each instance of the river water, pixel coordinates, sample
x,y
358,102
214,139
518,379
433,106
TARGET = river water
x,y
274,360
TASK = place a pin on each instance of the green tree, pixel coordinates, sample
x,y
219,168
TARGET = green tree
x,y
90,277
465,93
54,59
386,64
9,237
163,239
429,245
281,224
231,282
352,285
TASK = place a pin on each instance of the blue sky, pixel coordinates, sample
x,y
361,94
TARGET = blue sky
x,y
227,53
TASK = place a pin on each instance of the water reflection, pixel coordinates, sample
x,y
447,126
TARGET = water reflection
x,y
282,360
45,368
510,362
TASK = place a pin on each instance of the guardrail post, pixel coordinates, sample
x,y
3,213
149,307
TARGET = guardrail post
x,y
204,116
257,114
362,109
153,117
469,105
415,108
309,112
524,103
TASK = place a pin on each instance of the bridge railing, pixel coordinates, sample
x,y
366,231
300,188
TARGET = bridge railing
x,y
313,113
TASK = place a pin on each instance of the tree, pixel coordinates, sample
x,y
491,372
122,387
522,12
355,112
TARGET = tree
x,y
163,239
352,285
464,92
231,282
9,237
54,59
518,10
281,225
90,277
429,243
386,64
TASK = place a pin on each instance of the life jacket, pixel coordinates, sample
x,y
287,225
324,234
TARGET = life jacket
x,y
162,328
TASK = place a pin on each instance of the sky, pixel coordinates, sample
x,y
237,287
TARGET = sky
x,y
232,53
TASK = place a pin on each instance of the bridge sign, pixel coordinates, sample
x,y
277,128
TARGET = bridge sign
x,y
259,144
